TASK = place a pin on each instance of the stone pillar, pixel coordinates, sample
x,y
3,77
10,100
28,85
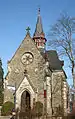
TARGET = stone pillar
x,y
45,98
64,90
48,88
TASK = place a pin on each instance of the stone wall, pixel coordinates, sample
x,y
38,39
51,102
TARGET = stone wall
x,y
5,117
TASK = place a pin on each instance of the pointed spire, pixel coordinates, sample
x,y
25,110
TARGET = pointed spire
x,y
39,27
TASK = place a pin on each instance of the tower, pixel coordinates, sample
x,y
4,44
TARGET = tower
x,y
39,35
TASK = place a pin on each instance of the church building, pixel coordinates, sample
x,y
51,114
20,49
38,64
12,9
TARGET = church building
x,y
36,74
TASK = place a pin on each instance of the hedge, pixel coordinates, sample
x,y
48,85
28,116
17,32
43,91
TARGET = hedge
x,y
7,108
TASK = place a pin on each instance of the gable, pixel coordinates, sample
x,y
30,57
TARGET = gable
x,y
26,85
27,45
15,66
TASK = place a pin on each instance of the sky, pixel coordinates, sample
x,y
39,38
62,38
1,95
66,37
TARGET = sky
x,y
17,15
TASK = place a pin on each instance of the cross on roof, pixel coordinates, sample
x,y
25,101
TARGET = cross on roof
x,y
27,29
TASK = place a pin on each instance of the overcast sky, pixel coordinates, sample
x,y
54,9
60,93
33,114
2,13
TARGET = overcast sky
x,y
17,15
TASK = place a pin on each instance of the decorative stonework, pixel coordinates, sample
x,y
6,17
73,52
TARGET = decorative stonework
x,y
24,86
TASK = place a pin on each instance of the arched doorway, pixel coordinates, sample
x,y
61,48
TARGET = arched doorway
x,y
25,101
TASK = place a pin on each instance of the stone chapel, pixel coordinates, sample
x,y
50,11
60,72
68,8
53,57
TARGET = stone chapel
x,y
36,74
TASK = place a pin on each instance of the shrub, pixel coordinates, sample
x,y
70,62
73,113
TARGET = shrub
x,y
38,110
7,108
59,111
1,98
1,93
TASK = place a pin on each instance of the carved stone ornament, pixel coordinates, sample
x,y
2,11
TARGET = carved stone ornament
x,y
27,58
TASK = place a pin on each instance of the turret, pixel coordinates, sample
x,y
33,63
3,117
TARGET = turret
x,y
39,36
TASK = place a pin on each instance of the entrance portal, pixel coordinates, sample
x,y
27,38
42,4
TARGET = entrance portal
x,y
25,101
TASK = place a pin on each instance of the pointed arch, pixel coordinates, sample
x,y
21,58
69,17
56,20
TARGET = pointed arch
x,y
25,101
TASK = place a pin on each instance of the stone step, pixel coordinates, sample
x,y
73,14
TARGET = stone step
x,y
5,117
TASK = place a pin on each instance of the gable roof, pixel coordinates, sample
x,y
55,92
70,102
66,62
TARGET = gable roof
x,y
27,37
27,45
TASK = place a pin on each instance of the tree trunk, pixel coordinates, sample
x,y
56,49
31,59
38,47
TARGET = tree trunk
x,y
73,74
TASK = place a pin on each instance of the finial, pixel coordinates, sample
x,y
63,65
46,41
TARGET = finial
x,y
39,11
28,29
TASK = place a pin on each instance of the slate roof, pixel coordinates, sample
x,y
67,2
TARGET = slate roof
x,y
39,27
52,57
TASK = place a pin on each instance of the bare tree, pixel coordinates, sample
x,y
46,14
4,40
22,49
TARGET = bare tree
x,y
61,36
